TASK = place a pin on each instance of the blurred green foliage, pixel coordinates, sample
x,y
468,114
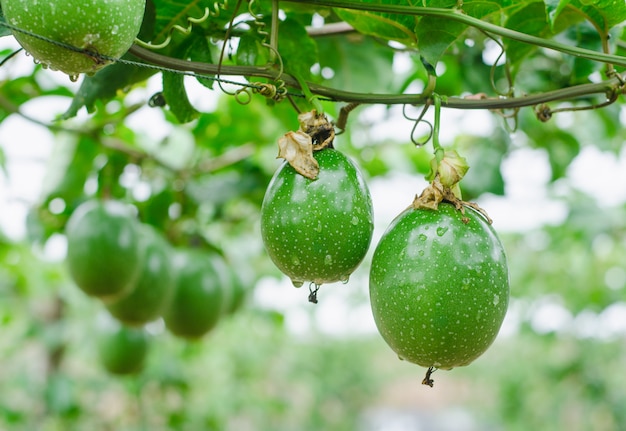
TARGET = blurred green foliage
x,y
558,363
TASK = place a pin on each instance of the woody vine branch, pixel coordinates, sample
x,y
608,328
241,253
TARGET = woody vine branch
x,y
608,87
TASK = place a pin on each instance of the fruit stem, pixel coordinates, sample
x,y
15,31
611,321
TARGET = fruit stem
x,y
427,380
439,152
313,100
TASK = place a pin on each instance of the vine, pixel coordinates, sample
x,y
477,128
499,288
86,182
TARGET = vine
x,y
612,87
458,16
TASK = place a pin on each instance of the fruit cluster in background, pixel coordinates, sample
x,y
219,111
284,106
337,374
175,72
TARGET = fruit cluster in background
x,y
140,278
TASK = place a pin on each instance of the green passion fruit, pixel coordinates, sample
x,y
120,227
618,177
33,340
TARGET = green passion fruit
x,y
154,286
200,294
103,252
439,286
318,230
123,350
106,27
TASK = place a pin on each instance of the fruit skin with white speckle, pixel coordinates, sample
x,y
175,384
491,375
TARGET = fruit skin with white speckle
x,y
103,255
318,230
199,296
107,27
154,286
439,286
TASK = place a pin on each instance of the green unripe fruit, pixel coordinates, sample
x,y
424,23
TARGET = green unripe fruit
x,y
106,27
124,350
154,287
439,286
318,230
199,295
103,253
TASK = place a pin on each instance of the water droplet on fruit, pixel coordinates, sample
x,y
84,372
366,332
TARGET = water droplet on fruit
x,y
344,279
318,228
115,29
328,260
297,283
441,230
422,237
355,220
36,61
421,252
73,78
496,299
295,260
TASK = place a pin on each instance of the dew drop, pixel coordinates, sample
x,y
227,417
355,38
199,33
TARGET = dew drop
x,y
318,228
328,260
355,220
115,29
496,299
421,252
422,237
441,230
73,78
344,279
297,283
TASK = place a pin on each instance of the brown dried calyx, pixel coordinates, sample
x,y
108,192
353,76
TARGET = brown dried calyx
x,y
435,193
315,133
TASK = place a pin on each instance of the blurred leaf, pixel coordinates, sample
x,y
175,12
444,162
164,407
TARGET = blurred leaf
x,y
200,50
532,19
297,49
4,31
60,396
358,63
435,35
583,36
19,90
250,52
484,156
604,14
176,149
387,26
104,85
155,211
68,168
554,9
176,97
3,162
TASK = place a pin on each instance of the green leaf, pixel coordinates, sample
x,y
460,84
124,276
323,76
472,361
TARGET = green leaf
x,y
105,84
435,35
387,26
603,14
297,49
360,64
176,97
200,50
583,36
68,168
4,31
250,51
554,9
533,19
